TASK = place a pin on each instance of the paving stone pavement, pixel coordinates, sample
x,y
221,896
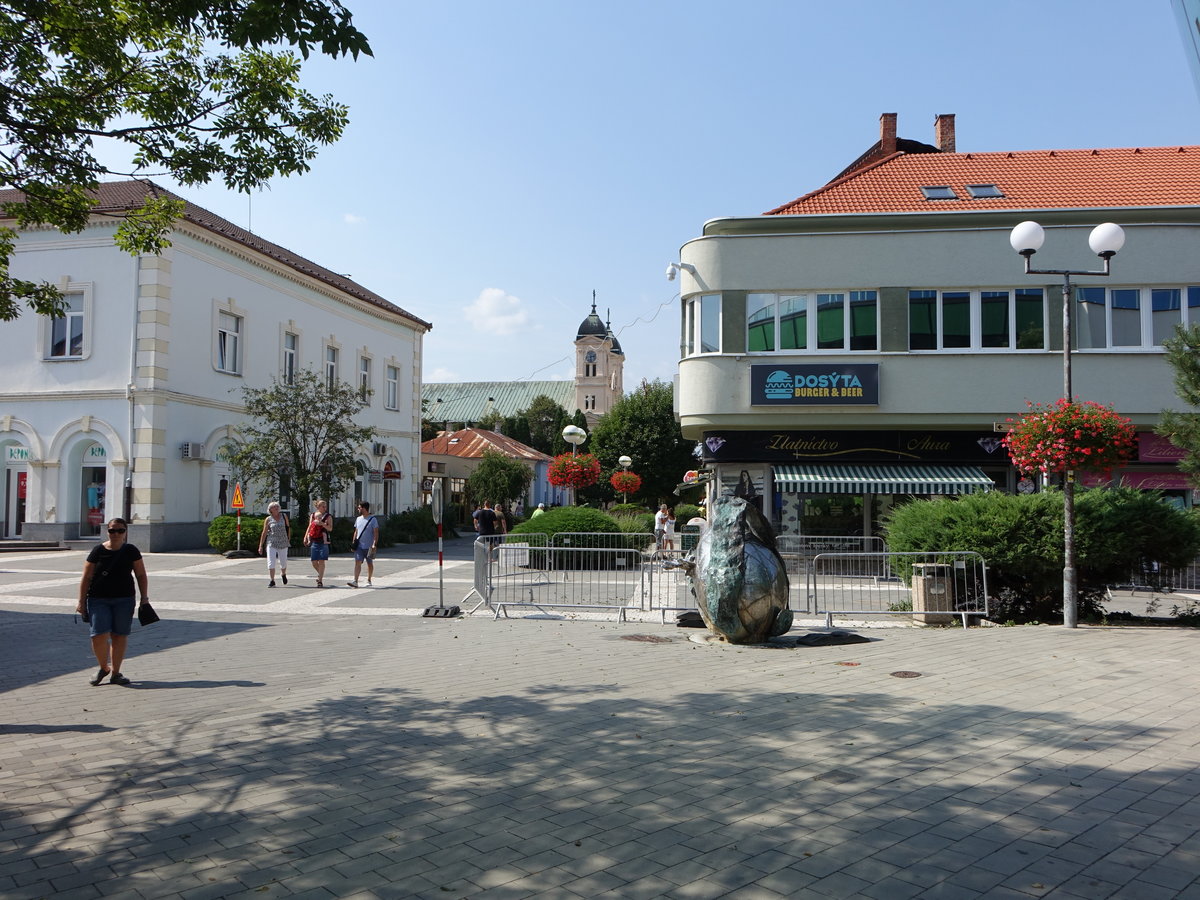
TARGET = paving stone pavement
x,y
318,744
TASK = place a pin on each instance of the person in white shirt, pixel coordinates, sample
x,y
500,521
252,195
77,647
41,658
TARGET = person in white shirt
x,y
366,539
660,525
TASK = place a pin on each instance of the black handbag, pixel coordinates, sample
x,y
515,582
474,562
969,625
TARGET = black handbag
x,y
146,613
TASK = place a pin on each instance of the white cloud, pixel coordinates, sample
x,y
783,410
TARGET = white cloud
x,y
440,375
496,312
352,219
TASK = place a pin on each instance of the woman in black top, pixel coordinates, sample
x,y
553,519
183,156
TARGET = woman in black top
x,y
106,598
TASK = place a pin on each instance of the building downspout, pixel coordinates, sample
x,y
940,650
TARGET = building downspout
x,y
131,391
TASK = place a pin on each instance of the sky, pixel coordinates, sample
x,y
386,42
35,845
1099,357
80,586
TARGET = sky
x,y
506,159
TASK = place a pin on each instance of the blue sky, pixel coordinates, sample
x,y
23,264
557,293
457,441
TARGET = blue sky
x,y
505,159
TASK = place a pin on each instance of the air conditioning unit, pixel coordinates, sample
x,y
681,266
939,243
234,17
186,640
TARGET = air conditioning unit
x,y
379,449
191,450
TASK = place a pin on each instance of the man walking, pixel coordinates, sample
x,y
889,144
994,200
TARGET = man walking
x,y
366,539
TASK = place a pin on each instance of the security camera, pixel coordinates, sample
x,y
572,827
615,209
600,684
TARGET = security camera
x,y
672,268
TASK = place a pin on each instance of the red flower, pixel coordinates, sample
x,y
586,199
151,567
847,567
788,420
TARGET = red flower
x,y
1068,435
626,482
574,471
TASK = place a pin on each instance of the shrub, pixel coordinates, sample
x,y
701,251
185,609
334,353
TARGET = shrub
x,y
222,532
570,519
411,526
1021,540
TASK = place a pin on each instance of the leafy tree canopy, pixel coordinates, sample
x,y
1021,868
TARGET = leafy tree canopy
x,y
642,426
184,88
1183,428
305,432
498,478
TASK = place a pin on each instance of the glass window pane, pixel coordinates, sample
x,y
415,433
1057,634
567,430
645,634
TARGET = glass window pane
x,y
77,335
1193,297
864,326
793,323
689,329
1126,318
1031,319
58,337
922,320
993,307
710,323
1166,313
760,321
831,321
956,319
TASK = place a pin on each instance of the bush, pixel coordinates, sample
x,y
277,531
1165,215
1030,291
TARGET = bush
x,y
222,532
1021,540
411,526
575,520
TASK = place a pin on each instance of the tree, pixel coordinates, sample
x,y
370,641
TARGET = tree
x,y
1183,428
642,426
498,478
183,87
546,421
304,431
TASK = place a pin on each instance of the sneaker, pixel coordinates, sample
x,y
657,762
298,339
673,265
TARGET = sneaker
x,y
118,678
100,676
271,583
352,584
284,577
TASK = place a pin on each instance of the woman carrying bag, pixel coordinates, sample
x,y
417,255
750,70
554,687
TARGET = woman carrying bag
x,y
106,599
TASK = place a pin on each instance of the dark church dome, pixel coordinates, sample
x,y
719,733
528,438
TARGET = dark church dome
x,y
591,326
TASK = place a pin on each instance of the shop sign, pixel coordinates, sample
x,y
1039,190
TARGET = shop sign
x,y
1153,448
96,451
1143,481
17,454
815,385
980,447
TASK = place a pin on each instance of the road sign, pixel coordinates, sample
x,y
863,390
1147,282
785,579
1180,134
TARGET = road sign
x,y
238,502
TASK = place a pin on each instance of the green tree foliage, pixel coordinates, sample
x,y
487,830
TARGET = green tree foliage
x,y
1183,428
305,430
1122,533
498,478
642,426
545,421
187,88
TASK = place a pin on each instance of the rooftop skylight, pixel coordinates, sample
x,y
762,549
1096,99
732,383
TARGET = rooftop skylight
x,y
938,192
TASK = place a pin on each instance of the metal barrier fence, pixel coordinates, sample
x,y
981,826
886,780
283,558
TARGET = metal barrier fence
x,y
930,587
1156,579
798,551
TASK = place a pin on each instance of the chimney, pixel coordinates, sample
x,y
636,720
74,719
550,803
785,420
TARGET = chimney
x,y
943,132
887,133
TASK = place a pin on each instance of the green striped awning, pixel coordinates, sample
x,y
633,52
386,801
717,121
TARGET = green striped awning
x,y
868,479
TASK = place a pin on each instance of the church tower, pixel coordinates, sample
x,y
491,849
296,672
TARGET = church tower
x,y
599,367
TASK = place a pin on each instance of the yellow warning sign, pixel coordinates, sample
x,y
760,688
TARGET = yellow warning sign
x,y
238,502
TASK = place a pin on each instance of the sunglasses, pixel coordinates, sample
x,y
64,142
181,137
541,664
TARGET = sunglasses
x,y
116,531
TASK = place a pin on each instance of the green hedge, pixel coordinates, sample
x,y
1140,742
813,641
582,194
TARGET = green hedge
x,y
1118,532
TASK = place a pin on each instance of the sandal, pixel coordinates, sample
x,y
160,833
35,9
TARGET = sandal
x,y
118,678
100,676
320,583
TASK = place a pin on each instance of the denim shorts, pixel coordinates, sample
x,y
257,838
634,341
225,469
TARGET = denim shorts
x,y
362,553
110,614
318,551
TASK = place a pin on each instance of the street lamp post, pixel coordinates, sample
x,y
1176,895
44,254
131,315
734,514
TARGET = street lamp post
x,y
574,435
625,462
1105,240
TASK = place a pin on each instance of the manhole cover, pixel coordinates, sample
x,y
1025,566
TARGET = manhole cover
x,y
646,638
906,674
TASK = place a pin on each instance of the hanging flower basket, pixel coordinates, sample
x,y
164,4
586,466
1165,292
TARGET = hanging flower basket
x,y
574,471
626,482
1070,436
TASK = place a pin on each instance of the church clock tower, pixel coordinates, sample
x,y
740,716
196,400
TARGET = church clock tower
x,y
599,365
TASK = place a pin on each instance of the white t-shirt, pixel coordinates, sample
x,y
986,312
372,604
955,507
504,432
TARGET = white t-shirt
x,y
660,521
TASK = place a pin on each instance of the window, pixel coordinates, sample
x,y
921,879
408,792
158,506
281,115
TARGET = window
x,y
364,379
966,320
331,366
1111,318
702,325
938,192
391,398
845,320
984,191
66,332
291,346
229,337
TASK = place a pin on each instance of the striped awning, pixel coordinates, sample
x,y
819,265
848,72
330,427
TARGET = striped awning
x,y
868,479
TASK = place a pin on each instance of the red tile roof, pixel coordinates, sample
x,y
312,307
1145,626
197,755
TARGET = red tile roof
x,y
1029,179
119,196
470,443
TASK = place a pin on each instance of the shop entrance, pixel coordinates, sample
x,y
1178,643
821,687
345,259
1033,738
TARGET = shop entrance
x,y
91,512
15,484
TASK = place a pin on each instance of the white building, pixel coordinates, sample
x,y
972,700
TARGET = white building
x,y
122,407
